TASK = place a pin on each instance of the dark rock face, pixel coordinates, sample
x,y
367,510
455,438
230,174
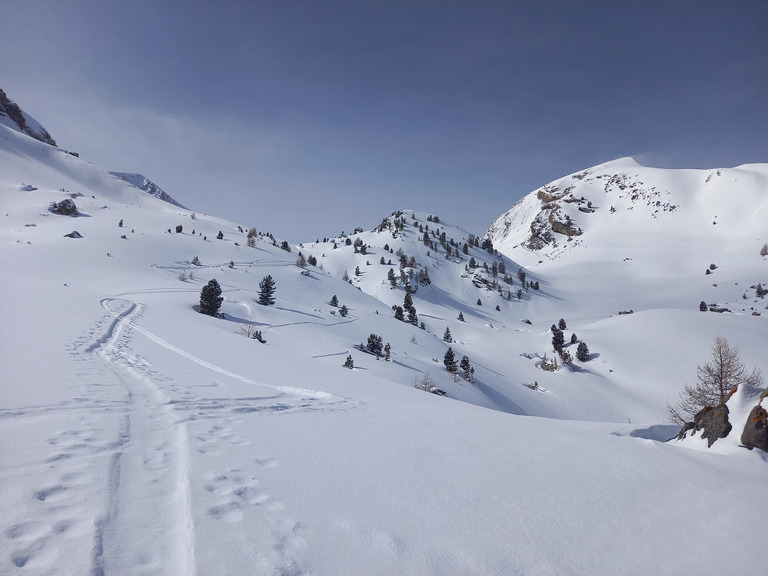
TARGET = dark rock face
x,y
713,423
755,434
10,109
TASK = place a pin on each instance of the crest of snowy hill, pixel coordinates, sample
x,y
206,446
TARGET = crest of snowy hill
x,y
144,183
140,436
14,117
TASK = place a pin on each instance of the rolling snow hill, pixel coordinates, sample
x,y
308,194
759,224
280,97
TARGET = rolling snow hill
x,y
140,437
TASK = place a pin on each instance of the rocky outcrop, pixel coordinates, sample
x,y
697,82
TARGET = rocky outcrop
x,y
755,434
23,122
66,207
712,422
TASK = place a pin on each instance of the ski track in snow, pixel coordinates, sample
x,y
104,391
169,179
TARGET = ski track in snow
x,y
124,463
230,494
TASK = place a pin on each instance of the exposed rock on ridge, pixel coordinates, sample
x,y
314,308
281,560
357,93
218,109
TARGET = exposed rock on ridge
x,y
144,183
21,121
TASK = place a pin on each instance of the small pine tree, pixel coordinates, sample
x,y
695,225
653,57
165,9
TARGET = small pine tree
x,y
558,340
479,302
561,324
374,345
387,352
467,368
220,235
343,311
211,298
764,250
461,317
574,339
582,352
391,277
703,306
349,363
449,360
334,301
120,224
266,291
447,337
412,317
399,315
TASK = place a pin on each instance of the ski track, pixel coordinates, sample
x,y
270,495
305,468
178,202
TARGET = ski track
x,y
118,475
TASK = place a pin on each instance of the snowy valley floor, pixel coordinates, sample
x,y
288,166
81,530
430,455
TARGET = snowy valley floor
x,y
140,450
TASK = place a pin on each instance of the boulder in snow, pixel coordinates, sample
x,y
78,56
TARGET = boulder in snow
x,y
755,434
713,423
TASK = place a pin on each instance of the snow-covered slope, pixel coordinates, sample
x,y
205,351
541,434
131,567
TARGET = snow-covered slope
x,y
659,229
140,437
14,117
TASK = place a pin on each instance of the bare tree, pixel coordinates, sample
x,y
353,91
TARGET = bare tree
x,y
424,382
714,382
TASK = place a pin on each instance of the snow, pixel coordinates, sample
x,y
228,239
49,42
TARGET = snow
x,y
139,437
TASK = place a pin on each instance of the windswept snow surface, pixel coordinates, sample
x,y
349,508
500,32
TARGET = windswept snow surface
x,y
140,437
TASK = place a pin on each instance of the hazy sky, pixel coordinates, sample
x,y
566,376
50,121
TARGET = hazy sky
x,y
307,118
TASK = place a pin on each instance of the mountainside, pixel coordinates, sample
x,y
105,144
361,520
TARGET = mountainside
x,y
138,436
661,229
144,183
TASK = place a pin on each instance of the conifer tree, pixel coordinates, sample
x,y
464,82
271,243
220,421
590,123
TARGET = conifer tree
x,y
467,368
266,291
343,311
449,360
210,298
349,363
374,344
461,316
582,352
334,301
447,337
387,352
558,340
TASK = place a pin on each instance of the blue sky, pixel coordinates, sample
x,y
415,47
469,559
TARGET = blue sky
x,y
308,118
